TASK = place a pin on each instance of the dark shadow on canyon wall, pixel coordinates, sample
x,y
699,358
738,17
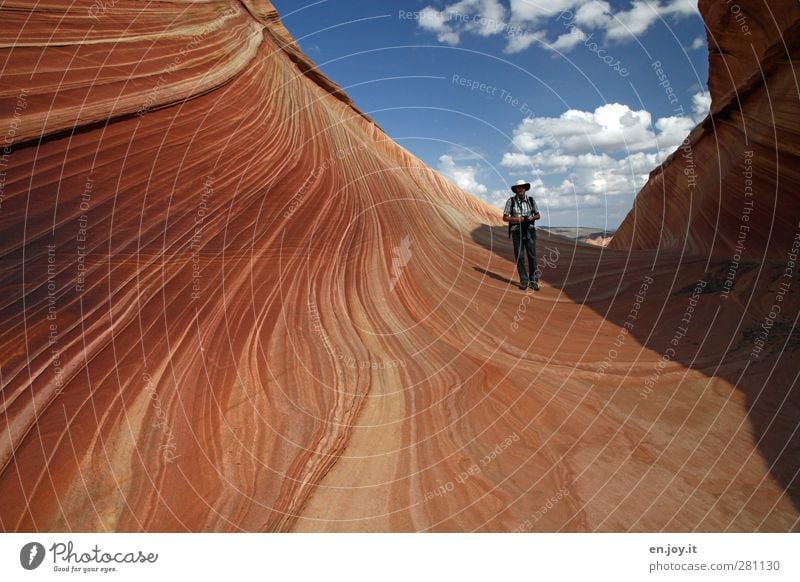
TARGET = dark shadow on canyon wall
x,y
722,330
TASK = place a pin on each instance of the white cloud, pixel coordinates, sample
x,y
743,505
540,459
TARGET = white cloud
x,y
515,159
593,14
491,17
579,198
628,24
569,193
631,23
569,39
681,8
598,16
526,21
589,182
698,43
436,21
432,19
593,160
609,128
673,130
534,10
463,176
498,197
481,17
520,41
701,104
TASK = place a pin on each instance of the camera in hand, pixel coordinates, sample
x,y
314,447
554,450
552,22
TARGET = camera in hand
x,y
526,222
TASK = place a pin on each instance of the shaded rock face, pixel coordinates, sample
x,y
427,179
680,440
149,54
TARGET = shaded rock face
x,y
231,303
732,187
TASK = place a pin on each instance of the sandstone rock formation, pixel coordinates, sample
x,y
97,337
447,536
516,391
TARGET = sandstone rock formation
x,y
733,184
173,359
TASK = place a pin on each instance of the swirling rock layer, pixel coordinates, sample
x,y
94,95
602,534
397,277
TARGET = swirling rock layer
x,y
230,303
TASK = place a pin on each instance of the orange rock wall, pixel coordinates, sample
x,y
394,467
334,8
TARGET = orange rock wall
x,y
230,303
732,188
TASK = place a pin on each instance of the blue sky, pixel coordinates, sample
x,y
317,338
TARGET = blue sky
x,y
583,98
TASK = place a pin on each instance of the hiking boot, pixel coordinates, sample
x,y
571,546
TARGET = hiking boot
x,y
534,285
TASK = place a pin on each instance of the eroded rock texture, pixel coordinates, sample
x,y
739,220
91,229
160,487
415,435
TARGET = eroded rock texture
x,y
229,302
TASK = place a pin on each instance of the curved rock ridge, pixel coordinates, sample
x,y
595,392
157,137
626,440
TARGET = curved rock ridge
x,y
732,187
161,56
231,303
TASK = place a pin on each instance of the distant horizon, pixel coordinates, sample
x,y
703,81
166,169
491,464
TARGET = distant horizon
x,y
572,226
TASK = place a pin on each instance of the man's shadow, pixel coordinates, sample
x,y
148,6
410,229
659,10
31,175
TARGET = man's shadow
x,y
492,275
495,239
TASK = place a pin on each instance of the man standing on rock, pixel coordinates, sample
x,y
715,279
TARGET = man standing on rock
x,y
520,213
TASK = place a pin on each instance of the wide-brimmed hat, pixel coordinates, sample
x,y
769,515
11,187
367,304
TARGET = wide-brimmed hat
x,y
521,183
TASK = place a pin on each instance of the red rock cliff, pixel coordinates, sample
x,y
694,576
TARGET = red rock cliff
x,y
230,302
732,188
